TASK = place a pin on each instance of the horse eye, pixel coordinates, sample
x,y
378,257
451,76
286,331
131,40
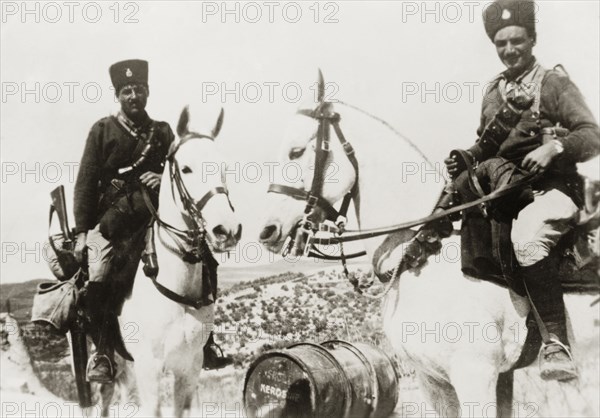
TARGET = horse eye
x,y
186,170
296,153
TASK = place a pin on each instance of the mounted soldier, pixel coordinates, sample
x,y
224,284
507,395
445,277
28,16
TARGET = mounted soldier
x,y
123,153
534,125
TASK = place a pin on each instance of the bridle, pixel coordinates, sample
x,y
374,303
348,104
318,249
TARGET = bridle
x,y
188,244
304,231
302,239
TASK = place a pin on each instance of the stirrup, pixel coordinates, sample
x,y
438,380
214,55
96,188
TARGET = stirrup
x,y
561,375
92,361
554,340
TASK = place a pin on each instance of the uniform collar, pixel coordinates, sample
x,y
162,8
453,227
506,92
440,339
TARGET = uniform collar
x,y
524,84
134,129
521,77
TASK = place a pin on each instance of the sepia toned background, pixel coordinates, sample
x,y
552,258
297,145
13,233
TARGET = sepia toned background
x,y
421,66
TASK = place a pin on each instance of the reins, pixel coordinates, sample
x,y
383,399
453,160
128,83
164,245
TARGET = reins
x,y
355,235
306,229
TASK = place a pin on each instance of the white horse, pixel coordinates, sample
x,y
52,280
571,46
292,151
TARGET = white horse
x,y
160,333
462,335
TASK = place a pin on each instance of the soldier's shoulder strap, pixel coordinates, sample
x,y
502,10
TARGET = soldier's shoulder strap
x,y
560,69
538,81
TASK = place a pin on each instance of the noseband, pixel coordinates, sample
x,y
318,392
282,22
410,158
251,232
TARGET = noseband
x,y
307,227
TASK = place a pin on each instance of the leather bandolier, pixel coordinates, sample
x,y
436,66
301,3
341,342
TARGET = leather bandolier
x,y
123,208
466,185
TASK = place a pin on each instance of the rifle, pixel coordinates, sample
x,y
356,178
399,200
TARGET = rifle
x,y
76,328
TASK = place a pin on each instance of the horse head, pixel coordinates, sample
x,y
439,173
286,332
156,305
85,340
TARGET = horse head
x,y
315,171
198,190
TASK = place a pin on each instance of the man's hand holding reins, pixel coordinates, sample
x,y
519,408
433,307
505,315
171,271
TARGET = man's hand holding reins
x,y
538,160
451,166
151,179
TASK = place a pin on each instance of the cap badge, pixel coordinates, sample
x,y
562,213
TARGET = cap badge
x,y
506,14
128,73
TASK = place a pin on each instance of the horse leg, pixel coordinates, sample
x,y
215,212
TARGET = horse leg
x,y
107,392
475,385
128,384
504,394
440,395
183,391
148,374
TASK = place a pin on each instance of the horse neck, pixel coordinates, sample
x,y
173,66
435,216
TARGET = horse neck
x,y
182,278
169,204
393,177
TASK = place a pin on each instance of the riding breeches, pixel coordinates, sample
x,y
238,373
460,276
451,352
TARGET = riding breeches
x,y
115,261
541,224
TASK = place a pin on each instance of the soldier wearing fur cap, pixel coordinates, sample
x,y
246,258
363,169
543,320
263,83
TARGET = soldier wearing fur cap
x,y
534,146
122,152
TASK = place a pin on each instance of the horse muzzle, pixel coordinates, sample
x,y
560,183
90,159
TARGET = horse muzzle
x,y
224,239
271,237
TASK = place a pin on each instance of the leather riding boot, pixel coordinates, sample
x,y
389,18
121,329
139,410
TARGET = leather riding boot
x,y
543,284
100,367
213,355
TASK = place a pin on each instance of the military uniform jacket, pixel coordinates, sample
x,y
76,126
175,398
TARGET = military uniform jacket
x,y
560,101
109,147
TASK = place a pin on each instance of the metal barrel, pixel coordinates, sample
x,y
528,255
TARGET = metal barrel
x,y
336,379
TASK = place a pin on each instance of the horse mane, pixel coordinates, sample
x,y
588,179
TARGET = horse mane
x,y
392,170
378,131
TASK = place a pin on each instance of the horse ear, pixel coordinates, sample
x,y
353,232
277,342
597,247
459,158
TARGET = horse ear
x,y
173,148
321,88
184,120
219,124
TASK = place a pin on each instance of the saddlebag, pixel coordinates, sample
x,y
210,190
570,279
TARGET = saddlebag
x,y
56,303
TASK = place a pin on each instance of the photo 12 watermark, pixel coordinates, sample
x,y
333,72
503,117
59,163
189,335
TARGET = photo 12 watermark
x,y
51,172
39,252
270,12
462,11
56,92
57,12
65,409
459,92
266,92
466,409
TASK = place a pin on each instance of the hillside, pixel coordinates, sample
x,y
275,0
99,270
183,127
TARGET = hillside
x,y
278,310
251,316
20,296
230,274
